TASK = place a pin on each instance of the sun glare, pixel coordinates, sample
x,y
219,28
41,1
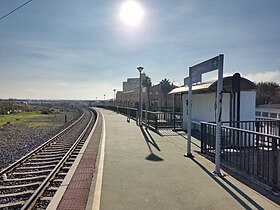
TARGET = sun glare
x,y
131,13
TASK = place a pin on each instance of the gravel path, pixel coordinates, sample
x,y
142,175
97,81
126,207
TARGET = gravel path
x,y
18,140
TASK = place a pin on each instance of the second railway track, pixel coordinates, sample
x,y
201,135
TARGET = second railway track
x,y
31,182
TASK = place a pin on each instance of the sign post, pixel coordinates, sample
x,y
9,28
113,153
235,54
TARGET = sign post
x,y
212,64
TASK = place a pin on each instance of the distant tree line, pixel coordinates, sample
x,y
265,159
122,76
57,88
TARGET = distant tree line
x,y
268,93
13,107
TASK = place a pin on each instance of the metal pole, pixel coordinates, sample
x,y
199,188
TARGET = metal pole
x,y
189,108
114,102
140,69
174,119
219,115
141,116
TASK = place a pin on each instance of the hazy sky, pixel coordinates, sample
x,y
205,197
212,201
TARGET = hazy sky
x,y
66,49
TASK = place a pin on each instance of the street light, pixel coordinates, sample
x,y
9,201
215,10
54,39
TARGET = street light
x,y
140,69
114,103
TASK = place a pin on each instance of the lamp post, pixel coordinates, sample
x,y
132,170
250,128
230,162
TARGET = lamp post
x,y
140,69
114,102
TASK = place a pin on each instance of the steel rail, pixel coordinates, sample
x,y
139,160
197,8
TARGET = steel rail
x,y
19,161
31,202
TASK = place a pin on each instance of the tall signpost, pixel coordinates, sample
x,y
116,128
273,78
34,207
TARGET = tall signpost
x,y
212,64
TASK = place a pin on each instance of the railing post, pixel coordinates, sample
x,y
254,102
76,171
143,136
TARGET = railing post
x,y
274,165
202,137
156,122
174,121
137,117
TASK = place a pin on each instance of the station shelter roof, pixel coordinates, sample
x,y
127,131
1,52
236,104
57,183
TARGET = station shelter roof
x,y
208,87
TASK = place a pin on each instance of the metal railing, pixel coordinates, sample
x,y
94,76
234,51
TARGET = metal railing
x,y
153,120
261,125
254,152
131,113
158,120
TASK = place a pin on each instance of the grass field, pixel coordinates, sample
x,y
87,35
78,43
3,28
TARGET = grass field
x,y
30,119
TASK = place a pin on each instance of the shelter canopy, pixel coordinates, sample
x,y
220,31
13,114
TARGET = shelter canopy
x,y
228,83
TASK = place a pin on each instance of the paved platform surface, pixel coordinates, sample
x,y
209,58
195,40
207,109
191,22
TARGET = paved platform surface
x,y
139,169
143,170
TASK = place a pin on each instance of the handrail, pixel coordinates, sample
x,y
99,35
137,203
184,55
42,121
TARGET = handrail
x,y
243,130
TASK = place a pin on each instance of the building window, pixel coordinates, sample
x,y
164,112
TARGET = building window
x,y
265,114
258,113
273,115
156,93
151,93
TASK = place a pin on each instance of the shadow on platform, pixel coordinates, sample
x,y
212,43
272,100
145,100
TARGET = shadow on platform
x,y
228,190
150,141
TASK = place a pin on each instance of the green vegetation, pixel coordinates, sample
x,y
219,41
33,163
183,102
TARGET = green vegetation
x,y
30,119
268,93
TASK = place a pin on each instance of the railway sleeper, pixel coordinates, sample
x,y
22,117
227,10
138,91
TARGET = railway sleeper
x,y
26,179
58,148
46,159
52,188
48,155
40,163
71,159
29,168
34,184
46,198
62,174
29,174
13,205
65,169
52,152
57,180
18,194
68,163
32,172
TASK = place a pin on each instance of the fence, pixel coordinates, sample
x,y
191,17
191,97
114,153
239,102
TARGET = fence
x,y
127,111
261,125
249,150
153,120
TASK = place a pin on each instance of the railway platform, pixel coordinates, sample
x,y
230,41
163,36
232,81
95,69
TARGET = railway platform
x,y
139,169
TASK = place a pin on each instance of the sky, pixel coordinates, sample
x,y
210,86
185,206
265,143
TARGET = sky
x,y
66,49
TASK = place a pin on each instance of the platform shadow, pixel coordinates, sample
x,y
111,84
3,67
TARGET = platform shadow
x,y
150,141
228,190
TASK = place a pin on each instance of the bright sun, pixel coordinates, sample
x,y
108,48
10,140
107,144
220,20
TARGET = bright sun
x,y
131,13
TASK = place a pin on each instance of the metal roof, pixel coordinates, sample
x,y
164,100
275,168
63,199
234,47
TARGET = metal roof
x,y
245,85
197,88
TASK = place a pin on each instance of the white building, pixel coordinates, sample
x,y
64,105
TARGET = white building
x,y
132,83
239,100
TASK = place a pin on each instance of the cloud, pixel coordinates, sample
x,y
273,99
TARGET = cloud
x,y
268,76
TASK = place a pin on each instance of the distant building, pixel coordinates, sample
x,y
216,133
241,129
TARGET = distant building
x,y
128,98
131,98
157,98
132,83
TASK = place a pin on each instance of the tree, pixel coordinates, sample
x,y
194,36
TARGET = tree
x,y
165,88
146,82
266,91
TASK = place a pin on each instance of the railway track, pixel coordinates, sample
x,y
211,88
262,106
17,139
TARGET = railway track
x,y
31,182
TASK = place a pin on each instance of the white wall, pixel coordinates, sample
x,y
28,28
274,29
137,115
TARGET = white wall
x,y
247,105
203,108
